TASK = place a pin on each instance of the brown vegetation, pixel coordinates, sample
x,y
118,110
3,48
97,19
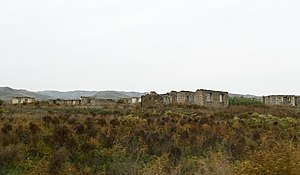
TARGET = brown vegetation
x,y
130,140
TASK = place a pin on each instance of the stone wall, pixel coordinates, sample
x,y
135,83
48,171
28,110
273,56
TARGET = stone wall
x,y
99,102
22,100
170,98
135,100
65,102
152,100
284,100
185,97
83,101
269,100
132,100
209,98
87,100
297,100
167,99
201,97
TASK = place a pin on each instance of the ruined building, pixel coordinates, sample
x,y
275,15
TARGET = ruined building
x,y
201,97
185,97
22,100
82,101
152,100
209,98
132,100
170,98
63,102
87,100
281,100
92,101
297,100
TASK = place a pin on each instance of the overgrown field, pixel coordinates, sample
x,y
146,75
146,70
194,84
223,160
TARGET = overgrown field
x,y
124,139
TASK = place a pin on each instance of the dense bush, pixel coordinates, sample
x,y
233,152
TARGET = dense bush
x,y
280,158
174,140
244,101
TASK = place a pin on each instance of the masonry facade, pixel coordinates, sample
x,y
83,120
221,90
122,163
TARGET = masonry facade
x,y
152,100
132,100
22,100
209,98
201,97
281,100
87,100
297,100
70,102
83,101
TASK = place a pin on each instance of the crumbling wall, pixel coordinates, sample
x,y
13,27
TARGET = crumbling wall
x,y
297,101
166,99
205,98
185,97
152,100
65,102
22,100
135,100
269,100
173,97
210,98
198,98
101,102
87,100
170,98
131,100
284,100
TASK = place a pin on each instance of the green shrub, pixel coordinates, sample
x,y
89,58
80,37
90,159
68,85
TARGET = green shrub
x,y
244,101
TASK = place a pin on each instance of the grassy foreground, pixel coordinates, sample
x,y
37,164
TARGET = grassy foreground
x,y
124,139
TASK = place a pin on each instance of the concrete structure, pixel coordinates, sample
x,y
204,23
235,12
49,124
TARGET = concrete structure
x,y
281,100
201,97
22,100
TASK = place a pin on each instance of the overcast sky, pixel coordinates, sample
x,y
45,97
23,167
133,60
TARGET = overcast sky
x,y
240,46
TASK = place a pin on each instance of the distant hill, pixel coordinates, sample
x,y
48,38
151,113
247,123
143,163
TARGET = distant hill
x,y
116,95
97,94
67,95
245,96
7,93
132,94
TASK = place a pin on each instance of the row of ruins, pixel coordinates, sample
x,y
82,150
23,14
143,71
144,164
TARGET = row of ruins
x,y
84,101
201,97
281,100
